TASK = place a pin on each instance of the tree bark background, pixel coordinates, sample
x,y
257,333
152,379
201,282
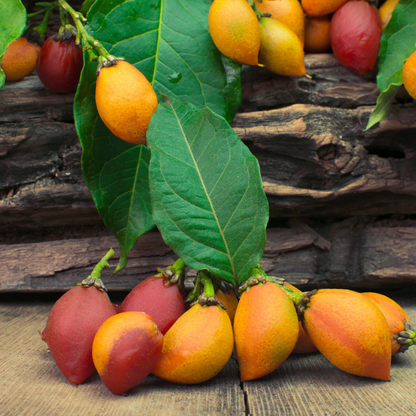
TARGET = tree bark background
x,y
342,199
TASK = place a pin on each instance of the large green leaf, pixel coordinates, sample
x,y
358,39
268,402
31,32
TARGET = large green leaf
x,y
206,189
169,42
12,25
398,42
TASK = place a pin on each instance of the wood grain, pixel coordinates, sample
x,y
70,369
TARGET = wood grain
x,y
31,383
303,385
346,254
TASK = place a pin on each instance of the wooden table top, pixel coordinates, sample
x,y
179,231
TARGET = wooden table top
x,y
304,385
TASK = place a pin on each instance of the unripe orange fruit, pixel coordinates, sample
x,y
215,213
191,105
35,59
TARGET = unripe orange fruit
x,y
350,331
281,51
317,39
234,28
229,300
289,12
266,329
19,59
304,344
385,12
409,75
396,318
125,101
321,7
197,346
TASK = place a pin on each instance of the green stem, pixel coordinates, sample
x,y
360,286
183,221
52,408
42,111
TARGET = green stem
x,y
105,59
208,286
94,279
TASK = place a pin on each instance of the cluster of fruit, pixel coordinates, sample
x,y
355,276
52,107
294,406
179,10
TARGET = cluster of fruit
x,y
276,33
58,62
152,331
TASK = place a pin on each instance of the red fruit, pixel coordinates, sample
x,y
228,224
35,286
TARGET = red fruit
x,y
59,64
355,35
125,350
163,303
72,324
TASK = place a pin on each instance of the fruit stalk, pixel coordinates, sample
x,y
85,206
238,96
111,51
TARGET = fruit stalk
x,y
94,279
88,42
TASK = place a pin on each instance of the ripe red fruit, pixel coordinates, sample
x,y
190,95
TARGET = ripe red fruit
x,y
72,324
355,35
163,303
59,64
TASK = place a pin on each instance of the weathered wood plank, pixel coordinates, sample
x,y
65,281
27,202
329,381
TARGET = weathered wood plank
x,y
316,159
308,384
303,385
350,253
31,383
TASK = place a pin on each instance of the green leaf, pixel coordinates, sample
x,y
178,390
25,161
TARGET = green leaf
x,y
169,42
382,109
397,44
116,172
206,189
12,25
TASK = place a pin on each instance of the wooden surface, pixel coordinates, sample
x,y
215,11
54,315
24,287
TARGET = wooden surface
x,y
303,385
307,133
342,200
349,253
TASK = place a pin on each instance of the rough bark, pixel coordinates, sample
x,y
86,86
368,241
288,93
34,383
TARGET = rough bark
x,y
351,253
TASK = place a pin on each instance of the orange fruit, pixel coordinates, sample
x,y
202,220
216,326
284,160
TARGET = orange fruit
x,y
350,331
125,349
304,344
409,75
280,50
197,346
229,300
321,7
289,12
234,28
317,34
125,101
266,329
385,12
396,318
19,59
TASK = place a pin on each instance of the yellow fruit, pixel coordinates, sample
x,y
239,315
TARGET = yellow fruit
x,y
409,75
19,59
234,28
317,38
281,50
197,346
229,300
385,11
289,12
321,7
125,101
266,329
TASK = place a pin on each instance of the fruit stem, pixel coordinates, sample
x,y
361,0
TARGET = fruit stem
x,y
174,273
259,14
88,42
406,338
207,282
94,279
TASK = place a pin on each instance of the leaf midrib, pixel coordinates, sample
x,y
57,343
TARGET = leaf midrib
x,y
207,195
